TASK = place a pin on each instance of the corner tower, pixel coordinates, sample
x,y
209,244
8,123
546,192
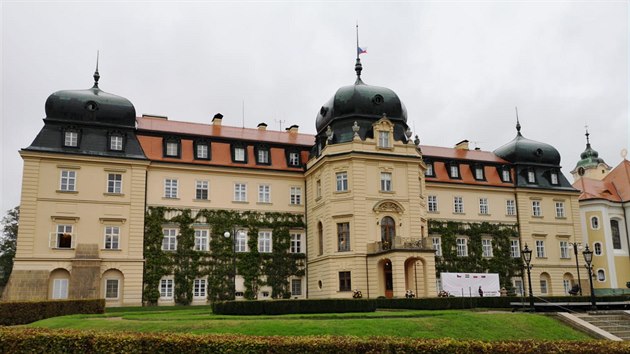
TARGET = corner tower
x,y
365,199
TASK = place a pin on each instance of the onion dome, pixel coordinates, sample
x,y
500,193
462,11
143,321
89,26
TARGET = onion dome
x,y
91,105
523,150
362,102
589,158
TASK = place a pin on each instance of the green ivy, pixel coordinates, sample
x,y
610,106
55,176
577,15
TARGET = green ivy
x,y
501,261
157,263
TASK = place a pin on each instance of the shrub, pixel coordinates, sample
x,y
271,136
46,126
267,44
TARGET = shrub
x,y
282,307
15,313
21,340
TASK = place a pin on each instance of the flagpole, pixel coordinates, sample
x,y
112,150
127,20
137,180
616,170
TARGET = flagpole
x,y
357,40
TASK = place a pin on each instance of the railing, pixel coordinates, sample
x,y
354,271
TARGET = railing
x,y
400,243
62,240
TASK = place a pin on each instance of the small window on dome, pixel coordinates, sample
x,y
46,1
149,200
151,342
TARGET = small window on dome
x,y
71,138
531,176
91,106
377,99
554,177
116,142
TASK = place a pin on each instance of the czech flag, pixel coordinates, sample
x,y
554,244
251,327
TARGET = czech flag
x,y
361,50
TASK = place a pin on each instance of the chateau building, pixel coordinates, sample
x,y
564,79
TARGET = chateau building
x,y
360,198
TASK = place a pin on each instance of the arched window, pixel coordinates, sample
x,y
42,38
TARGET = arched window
x,y
594,223
616,236
320,238
388,230
601,275
597,248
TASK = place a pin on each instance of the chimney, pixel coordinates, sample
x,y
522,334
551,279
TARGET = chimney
x,y
144,115
462,145
262,126
216,120
293,129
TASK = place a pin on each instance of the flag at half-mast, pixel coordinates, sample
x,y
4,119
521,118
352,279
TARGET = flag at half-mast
x,y
361,50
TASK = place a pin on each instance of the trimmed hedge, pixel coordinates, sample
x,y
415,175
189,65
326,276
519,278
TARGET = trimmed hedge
x,y
282,307
21,340
445,303
16,313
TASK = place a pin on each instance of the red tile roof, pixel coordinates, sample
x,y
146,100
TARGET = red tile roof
x,y
460,154
614,187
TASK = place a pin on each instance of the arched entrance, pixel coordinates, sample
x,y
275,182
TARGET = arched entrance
x,y
415,276
389,280
388,231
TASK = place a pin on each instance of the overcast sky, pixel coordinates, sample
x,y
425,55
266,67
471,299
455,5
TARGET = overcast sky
x,y
459,67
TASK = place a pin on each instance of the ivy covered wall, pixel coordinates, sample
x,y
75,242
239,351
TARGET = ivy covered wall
x,y
220,263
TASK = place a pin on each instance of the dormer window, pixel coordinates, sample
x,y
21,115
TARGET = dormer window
x,y
429,172
479,176
116,142
202,150
454,170
239,153
531,176
505,174
71,138
262,155
294,159
171,147
383,139
554,177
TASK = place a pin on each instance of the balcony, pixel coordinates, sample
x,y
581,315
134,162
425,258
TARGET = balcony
x,y
401,243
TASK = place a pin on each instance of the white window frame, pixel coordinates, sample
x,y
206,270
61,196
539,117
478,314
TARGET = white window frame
x,y
240,192
554,178
202,151
201,240
479,173
486,246
107,293
200,188
115,142
112,237
544,287
169,239
386,182
264,193
437,245
114,183
505,175
483,206
264,242
239,154
540,249
531,177
296,243
560,210
172,148
518,287
564,250
515,249
566,284
295,196
71,139
60,289
241,241
429,171
263,156
536,208
68,181
200,287
454,171
462,247
383,139
510,207
432,204
597,248
342,181
601,275
61,230
171,188
594,223
296,283
166,288
294,158
458,205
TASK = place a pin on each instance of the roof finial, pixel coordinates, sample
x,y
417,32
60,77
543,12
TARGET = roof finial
x,y
96,74
518,124
357,66
588,142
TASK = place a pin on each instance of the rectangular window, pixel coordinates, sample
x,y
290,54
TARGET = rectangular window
x,y
536,211
505,175
202,151
68,181
318,188
510,207
479,173
543,286
383,139
566,283
240,192
296,287
112,237
71,139
486,246
483,206
515,249
458,205
296,243
559,209
296,196
166,288
294,159
239,154
454,169
429,171
386,182
199,288
241,241
616,234
531,177
342,181
264,193
263,156
344,281
201,240
114,183
343,237
64,237
432,203
201,190
111,289
116,142
264,242
518,287
564,249
172,148
437,246
540,249
169,239
60,289
554,178
462,247
170,188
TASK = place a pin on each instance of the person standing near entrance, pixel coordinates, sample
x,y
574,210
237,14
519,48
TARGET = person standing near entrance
x,y
480,291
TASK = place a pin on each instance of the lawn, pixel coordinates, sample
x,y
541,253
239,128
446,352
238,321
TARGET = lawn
x,y
458,324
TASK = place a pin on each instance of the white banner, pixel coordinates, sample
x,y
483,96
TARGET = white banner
x,y
469,284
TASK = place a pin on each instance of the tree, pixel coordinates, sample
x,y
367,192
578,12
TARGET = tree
x,y
8,241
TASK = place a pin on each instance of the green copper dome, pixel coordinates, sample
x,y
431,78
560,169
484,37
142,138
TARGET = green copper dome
x,y
590,157
523,150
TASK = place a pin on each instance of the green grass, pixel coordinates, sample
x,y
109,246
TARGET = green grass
x,y
458,324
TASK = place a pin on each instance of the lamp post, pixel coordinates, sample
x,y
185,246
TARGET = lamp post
x,y
588,258
227,235
577,266
527,257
